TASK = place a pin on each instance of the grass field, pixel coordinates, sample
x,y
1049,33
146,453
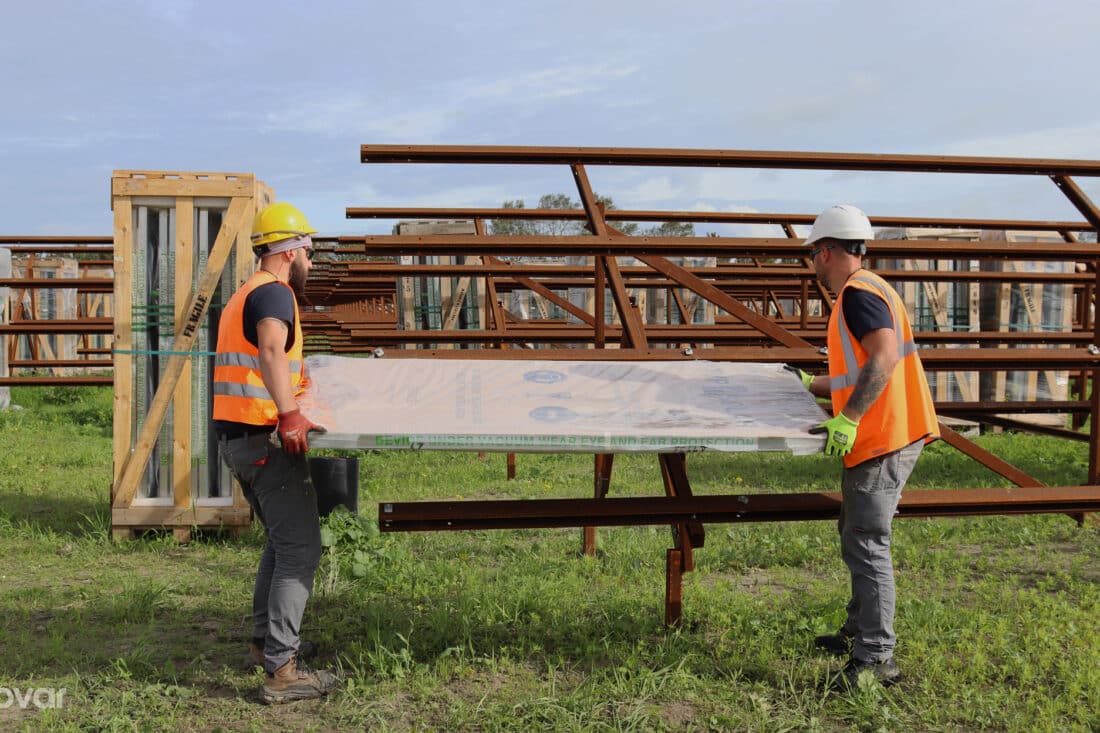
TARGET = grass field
x,y
516,630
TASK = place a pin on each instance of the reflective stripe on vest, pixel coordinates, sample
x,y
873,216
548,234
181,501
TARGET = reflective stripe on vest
x,y
905,347
903,411
239,391
236,358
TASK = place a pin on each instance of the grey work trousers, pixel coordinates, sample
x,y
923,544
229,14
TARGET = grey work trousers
x,y
280,491
870,495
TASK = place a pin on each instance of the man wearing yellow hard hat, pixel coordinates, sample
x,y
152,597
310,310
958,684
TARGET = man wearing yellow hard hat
x,y
263,438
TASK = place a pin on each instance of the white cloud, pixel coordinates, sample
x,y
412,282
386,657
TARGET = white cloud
x,y
728,185
543,84
747,230
1073,141
177,12
428,116
85,140
289,91
650,190
357,116
853,93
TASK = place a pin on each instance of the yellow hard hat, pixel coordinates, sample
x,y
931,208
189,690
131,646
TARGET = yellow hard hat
x,y
279,221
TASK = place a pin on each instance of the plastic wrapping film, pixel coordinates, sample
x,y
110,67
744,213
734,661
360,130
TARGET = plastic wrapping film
x,y
559,406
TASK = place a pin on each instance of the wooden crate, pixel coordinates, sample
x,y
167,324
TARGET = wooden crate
x,y
986,307
1029,307
164,425
32,304
932,307
443,298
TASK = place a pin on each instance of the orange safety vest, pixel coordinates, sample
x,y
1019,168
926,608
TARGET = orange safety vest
x,y
239,391
903,413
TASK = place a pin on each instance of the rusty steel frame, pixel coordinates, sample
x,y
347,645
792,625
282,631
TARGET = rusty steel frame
x,y
704,217
610,245
759,329
606,512
93,251
564,275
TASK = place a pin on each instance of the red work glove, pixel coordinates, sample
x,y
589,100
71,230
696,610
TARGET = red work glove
x,y
293,428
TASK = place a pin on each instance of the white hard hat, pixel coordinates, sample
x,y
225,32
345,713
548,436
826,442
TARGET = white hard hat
x,y
842,221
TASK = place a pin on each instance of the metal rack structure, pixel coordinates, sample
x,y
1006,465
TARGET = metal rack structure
x,y
775,312
593,296
57,329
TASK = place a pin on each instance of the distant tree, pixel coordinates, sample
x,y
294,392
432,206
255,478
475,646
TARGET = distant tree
x,y
525,227
670,229
559,227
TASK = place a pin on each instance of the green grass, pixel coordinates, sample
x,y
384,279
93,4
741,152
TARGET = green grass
x,y
516,630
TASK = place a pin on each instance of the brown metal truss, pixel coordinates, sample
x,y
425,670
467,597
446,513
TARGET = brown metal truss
x,y
769,307
773,310
24,326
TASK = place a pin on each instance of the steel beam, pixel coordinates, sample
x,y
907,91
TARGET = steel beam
x,y
704,217
731,508
530,155
80,326
351,273
593,245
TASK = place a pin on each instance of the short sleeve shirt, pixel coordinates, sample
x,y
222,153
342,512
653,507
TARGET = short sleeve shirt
x,y
271,300
865,312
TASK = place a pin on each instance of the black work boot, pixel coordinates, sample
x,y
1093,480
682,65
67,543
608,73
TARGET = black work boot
x,y
885,672
838,644
293,681
254,659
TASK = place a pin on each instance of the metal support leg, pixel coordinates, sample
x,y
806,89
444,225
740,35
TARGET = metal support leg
x,y
674,588
601,485
686,536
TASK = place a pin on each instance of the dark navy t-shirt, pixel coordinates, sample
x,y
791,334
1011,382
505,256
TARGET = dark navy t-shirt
x,y
864,311
271,300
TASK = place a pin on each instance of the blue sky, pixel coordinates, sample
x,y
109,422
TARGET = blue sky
x,y
289,91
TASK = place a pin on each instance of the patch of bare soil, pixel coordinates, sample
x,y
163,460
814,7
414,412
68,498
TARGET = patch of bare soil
x,y
775,581
678,714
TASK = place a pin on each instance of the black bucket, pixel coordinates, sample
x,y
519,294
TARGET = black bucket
x,y
336,481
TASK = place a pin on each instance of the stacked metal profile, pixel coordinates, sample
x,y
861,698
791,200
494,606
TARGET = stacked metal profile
x,y
5,272
55,318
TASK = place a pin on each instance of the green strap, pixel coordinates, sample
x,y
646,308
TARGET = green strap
x,y
170,353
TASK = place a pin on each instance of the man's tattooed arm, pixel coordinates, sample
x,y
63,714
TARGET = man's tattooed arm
x,y
872,381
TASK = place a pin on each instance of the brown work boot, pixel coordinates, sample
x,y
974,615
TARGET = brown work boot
x,y
254,659
293,681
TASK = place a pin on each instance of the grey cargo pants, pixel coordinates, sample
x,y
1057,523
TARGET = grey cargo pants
x,y
280,491
870,495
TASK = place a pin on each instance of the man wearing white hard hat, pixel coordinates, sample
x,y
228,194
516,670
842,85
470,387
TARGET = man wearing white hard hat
x,y
882,418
